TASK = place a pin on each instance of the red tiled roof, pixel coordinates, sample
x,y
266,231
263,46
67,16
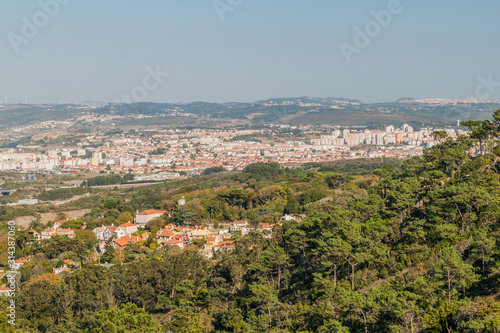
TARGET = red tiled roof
x,y
152,211
225,246
172,242
165,233
128,224
125,240
121,241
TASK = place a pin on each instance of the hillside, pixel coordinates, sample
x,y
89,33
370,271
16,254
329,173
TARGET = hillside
x,y
409,249
292,111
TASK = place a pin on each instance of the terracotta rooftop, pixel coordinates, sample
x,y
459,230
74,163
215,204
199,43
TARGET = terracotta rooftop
x,y
128,224
152,211
165,233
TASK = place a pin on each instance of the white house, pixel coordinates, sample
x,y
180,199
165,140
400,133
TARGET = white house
x,y
50,232
99,232
18,263
224,245
128,228
145,216
172,242
4,291
61,269
109,232
164,235
239,226
287,217
101,247
105,233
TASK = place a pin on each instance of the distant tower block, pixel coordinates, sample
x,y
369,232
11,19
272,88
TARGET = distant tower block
x,y
458,122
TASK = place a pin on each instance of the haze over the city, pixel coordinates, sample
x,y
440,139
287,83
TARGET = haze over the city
x,y
245,51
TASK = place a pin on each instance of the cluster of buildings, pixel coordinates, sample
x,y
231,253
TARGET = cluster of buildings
x,y
106,233
120,236
389,136
215,239
65,267
55,230
142,218
163,154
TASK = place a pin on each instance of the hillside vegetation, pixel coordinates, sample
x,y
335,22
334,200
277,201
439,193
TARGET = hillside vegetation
x,y
410,249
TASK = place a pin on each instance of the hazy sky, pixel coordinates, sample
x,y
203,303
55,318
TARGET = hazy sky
x,y
103,49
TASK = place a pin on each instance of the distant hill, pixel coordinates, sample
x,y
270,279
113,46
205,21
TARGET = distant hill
x,y
405,99
292,111
306,99
93,103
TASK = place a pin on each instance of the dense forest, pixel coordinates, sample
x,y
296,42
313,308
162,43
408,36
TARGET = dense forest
x,y
411,248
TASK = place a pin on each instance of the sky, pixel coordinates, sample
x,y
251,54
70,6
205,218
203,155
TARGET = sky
x,y
70,51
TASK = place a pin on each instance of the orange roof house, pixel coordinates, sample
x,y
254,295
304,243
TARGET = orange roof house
x,y
126,240
164,235
145,216
173,242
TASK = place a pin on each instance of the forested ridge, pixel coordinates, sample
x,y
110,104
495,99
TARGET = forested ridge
x,y
410,249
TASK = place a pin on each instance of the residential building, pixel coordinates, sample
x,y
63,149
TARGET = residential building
x,y
173,242
99,232
145,216
164,235
121,242
128,228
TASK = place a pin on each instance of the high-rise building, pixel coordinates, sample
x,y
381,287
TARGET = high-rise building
x,y
407,128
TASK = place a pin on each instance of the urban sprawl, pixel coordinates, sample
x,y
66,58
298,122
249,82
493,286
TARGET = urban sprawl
x,y
175,151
